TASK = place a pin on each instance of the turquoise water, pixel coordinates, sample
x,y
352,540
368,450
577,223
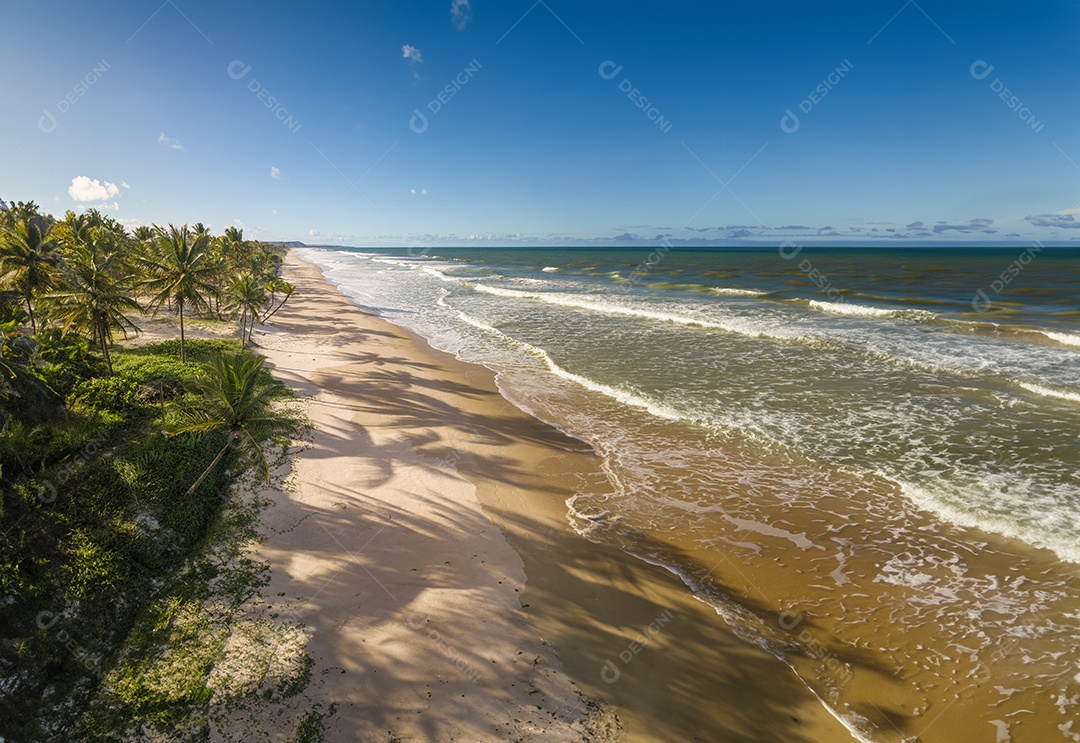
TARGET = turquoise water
x,y
871,420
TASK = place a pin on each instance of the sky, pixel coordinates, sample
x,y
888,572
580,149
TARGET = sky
x,y
551,122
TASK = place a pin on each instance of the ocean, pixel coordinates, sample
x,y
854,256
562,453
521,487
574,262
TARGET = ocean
x,y
867,461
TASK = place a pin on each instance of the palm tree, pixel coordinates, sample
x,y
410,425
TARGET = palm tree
x,y
94,298
248,296
180,272
274,286
233,235
28,259
233,399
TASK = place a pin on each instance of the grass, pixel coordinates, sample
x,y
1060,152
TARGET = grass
x,y
121,596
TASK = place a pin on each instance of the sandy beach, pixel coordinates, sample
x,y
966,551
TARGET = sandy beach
x,y
425,548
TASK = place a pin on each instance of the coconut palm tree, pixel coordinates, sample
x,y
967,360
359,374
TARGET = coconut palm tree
x,y
246,295
28,259
180,271
274,286
94,297
234,399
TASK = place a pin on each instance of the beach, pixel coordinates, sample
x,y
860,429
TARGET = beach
x,y
425,547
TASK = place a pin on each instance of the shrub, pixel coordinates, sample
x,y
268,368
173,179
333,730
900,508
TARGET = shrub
x,y
195,349
111,394
68,361
145,369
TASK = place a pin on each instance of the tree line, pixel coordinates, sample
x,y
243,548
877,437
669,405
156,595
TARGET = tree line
x,y
87,274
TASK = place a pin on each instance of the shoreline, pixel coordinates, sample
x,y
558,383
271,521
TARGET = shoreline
x,y
445,594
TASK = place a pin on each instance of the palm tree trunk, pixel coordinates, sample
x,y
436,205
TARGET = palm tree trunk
x,y
105,349
274,311
180,303
208,470
243,330
30,310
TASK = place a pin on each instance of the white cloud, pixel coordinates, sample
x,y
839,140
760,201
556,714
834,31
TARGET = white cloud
x,y
460,13
258,230
421,192
166,141
273,211
313,232
275,173
411,52
124,184
238,223
84,188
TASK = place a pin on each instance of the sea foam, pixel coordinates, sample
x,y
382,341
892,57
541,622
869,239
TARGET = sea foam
x,y
1047,392
1068,339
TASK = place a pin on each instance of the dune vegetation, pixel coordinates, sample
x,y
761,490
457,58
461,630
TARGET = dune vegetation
x,y
121,472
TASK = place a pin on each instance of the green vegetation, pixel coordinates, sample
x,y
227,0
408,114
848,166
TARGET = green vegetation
x,y
122,566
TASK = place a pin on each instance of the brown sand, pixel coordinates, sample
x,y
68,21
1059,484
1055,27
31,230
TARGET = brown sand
x,y
426,548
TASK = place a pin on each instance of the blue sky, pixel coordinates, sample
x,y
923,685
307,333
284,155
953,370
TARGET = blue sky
x,y
559,122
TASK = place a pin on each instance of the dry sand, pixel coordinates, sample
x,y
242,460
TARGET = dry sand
x,y
426,548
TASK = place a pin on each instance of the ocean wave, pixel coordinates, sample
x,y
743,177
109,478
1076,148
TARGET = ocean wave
x,y
549,269
912,300
1047,392
1068,339
862,310
440,275
623,396
627,398
1041,525
725,291
608,308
